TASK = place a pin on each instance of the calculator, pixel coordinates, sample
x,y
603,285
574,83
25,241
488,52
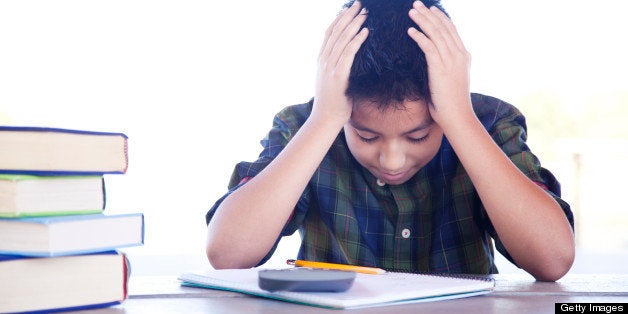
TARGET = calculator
x,y
305,279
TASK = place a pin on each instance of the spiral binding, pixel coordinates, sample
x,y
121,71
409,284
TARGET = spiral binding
x,y
449,275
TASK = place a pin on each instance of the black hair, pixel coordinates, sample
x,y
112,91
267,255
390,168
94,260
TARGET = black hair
x,y
389,68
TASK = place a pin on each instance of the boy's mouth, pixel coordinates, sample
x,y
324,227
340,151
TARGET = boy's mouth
x,y
392,178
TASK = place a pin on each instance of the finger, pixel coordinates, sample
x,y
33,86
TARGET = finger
x,y
330,28
343,67
337,28
429,49
346,37
432,27
340,28
451,28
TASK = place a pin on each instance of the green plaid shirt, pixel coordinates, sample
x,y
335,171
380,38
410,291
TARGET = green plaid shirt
x,y
435,222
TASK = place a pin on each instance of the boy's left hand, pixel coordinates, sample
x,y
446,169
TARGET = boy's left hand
x,y
448,63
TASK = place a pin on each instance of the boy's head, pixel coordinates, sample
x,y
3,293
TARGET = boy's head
x,y
390,72
390,67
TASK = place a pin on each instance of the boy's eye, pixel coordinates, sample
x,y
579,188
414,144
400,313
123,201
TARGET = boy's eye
x,y
367,139
419,139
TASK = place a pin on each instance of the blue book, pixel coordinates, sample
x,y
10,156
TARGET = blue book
x,y
65,283
70,235
55,151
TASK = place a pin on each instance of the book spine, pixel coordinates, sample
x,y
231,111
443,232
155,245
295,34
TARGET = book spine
x,y
126,154
127,274
104,194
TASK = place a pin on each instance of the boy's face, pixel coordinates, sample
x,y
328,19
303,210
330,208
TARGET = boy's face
x,y
393,144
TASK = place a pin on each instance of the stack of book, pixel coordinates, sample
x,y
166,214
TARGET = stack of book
x,y
58,249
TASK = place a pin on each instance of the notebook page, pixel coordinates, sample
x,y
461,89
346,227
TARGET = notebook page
x,y
367,290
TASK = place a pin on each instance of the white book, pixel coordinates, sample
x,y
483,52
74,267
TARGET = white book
x,y
70,234
56,151
367,290
54,284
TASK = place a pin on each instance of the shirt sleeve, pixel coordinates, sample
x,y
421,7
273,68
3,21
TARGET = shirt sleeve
x,y
508,130
285,125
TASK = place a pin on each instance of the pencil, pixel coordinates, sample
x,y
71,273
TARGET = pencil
x,y
322,265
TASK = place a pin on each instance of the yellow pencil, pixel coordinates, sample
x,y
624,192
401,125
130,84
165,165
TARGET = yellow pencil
x,y
322,265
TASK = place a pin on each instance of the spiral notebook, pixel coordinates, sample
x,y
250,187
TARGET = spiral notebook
x,y
367,290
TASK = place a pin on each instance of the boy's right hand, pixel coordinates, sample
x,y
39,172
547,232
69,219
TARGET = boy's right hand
x,y
343,39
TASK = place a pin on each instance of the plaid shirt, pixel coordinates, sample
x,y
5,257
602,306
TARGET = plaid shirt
x,y
435,222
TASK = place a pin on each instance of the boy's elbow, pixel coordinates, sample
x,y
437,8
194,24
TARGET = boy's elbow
x,y
214,258
218,263
552,274
220,258
557,267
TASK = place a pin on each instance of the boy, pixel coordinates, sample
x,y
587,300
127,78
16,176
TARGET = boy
x,y
394,163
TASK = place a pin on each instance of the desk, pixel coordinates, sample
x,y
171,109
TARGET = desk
x,y
513,293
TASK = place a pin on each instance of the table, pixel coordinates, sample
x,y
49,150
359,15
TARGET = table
x,y
513,293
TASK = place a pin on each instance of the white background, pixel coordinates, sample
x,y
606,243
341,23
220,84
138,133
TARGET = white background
x,y
195,84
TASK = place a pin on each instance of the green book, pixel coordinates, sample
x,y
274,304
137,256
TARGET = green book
x,y
30,196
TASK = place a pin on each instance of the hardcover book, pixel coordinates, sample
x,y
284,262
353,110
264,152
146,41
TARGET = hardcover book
x,y
70,235
26,195
40,150
62,283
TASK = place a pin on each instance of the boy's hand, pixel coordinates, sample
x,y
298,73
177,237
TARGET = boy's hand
x,y
448,63
342,40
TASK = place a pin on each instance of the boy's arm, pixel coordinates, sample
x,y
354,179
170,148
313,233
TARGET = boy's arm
x,y
529,222
248,222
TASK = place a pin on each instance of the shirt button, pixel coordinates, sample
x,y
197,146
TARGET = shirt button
x,y
405,233
380,182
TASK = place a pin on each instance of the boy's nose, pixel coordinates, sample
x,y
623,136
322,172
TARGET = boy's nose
x,y
392,160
